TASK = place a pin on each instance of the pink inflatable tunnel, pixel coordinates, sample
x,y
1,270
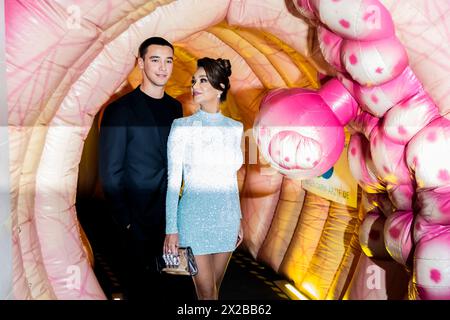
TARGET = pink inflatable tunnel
x,y
65,60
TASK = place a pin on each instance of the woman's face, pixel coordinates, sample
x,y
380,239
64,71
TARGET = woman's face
x,y
202,90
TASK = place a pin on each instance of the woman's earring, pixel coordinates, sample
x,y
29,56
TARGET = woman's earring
x,y
218,95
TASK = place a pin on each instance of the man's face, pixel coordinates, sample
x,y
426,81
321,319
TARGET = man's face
x,y
157,65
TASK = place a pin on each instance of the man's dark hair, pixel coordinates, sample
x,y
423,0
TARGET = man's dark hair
x,y
153,40
217,72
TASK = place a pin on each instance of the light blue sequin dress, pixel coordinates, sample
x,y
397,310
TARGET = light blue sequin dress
x,y
204,150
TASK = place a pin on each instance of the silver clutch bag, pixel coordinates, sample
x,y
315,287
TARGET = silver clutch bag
x,y
185,263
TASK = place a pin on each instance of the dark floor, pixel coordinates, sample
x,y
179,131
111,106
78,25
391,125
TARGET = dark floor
x,y
245,278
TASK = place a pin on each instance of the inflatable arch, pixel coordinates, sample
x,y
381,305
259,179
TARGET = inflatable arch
x,y
66,59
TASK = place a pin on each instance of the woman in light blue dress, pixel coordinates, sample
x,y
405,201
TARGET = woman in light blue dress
x,y
204,151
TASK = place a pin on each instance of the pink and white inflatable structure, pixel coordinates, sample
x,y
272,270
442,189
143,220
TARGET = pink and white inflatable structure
x,y
390,65
400,148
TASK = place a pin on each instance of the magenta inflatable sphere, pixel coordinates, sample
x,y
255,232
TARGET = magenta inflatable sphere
x,y
298,133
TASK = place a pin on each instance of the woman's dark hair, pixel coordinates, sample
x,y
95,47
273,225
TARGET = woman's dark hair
x,y
153,40
217,72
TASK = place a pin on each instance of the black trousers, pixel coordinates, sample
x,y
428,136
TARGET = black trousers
x,y
141,279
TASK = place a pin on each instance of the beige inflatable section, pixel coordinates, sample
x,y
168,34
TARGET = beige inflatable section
x,y
283,224
83,56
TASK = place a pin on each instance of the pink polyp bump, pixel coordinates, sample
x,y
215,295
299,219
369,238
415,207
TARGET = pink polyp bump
x,y
374,62
339,100
365,20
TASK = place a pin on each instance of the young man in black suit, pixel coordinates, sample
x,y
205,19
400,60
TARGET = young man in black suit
x,y
133,170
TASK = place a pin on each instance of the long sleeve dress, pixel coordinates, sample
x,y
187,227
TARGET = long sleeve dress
x,y
204,150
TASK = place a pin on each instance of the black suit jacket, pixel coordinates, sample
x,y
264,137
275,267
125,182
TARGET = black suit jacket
x,y
133,159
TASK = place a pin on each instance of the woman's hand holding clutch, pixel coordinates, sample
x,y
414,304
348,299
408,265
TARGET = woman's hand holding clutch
x,y
170,250
240,236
